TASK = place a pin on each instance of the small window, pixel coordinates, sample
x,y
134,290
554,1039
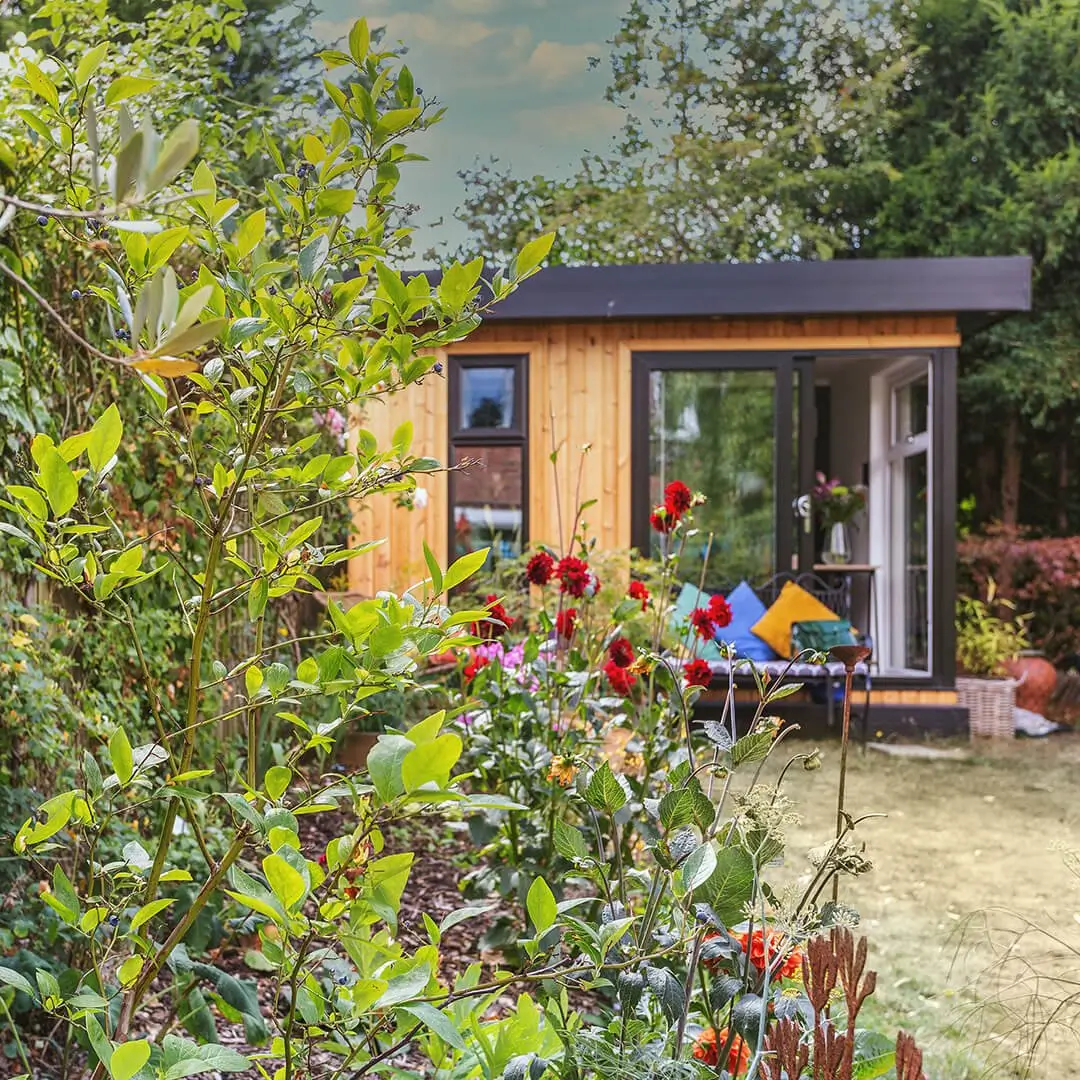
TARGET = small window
x,y
489,493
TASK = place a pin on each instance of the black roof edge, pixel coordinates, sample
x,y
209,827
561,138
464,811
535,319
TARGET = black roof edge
x,y
976,288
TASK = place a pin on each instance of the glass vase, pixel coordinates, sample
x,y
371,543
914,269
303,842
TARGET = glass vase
x,y
838,547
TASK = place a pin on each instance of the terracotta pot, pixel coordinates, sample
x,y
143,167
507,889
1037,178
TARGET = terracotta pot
x,y
353,750
1036,679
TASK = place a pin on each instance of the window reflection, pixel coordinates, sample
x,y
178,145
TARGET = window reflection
x,y
488,500
487,397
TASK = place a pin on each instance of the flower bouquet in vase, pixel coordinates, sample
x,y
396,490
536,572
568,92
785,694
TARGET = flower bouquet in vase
x,y
837,506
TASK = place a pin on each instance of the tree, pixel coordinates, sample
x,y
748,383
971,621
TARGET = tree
x,y
754,129
984,145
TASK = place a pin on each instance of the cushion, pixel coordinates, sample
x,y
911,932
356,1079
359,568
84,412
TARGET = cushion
x,y
821,635
689,598
794,604
746,609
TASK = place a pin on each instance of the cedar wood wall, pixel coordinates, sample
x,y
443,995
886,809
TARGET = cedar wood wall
x,y
579,373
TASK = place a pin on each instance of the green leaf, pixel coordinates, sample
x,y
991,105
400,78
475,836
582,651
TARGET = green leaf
x,y
461,914
872,1068
433,569
182,1057
359,40
384,764
313,256
129,970
604,791
120,753
677,808
408,984
12,978
437,1021
669,992
464,568
258,595
128,1058
104,439
569,842
148,911
533,254
54,477
540,903
98,1040
238,994
730,885
41,84
287,883
431,762
334,202
250,232
127,86
89,63
278,778
178,149
126,172
751,748
699,865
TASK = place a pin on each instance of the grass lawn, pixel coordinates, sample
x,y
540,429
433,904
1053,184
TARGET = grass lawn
x,y
961,837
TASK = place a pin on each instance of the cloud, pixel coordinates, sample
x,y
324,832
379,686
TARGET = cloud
x,y
590,123
553,62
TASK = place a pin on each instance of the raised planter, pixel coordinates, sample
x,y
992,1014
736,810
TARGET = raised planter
x,y
991,706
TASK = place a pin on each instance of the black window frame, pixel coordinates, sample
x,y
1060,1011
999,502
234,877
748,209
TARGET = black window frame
x,y
516,435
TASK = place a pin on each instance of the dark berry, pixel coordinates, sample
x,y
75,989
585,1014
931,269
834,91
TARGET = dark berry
x,y
42,219
114,920
343,980
327,297
201,481
438,369
75,294
272,290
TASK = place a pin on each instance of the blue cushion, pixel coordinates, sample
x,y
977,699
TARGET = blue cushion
x,y
746,609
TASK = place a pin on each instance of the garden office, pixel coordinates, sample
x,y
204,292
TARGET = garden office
x,y
752,382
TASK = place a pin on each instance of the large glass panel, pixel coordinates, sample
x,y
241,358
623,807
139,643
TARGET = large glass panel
x,y
715,430
487,500
916,563
911,409
487,397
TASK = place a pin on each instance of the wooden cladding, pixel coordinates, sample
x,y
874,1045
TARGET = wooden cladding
x,y
579,395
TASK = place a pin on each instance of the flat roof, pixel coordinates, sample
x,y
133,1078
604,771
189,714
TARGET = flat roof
x,y
974,288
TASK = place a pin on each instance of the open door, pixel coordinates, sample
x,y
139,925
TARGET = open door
x,y
739,428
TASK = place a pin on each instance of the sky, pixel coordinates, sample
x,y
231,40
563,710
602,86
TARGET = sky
x,y
514,76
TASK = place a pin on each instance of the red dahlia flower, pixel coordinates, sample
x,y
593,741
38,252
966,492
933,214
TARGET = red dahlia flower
x,y
702,622
472,668
662,520
565,622
575,575
677,498
637,591
621,679
710,1042
719,611
541,568
697,673
754,947
621,652
498,621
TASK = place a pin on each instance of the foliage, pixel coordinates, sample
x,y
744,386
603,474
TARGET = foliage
x,y
230,356
715,161
984,149
985,641
1042,575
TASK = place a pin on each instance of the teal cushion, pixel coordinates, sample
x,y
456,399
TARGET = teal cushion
x,y
821,635
746,608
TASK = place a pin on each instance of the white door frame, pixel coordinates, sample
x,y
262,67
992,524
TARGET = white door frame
x,y
887,451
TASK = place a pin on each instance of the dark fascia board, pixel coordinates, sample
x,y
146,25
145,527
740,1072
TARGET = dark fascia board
x,y
974,288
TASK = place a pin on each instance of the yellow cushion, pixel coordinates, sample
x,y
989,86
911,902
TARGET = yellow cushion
x,y
794,604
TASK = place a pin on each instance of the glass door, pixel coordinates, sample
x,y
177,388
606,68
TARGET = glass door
x,y
728,426
909,534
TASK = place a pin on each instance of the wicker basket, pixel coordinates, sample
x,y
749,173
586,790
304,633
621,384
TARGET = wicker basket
x,y
991,706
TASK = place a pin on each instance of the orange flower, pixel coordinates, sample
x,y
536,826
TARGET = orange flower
x,y
709,1043
755,949
562,771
